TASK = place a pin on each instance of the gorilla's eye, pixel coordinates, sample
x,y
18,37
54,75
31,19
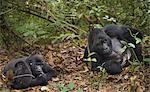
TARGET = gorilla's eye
x,y
104,40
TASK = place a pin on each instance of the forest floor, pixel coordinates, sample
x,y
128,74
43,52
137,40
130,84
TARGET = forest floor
x,y
75,76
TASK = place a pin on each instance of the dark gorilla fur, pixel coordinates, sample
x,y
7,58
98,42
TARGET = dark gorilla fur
x,y
125,33
106,45
100,43
28,71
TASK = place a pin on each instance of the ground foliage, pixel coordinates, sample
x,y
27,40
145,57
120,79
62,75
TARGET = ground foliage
x,y
26,23
52,20
75,76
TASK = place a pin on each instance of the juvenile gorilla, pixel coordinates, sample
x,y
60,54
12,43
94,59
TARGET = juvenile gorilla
x,y
28,71
107,47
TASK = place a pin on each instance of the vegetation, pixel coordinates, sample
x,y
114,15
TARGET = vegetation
x,y
35,20
27,25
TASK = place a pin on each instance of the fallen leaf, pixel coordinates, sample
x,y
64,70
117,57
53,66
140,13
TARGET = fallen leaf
x,y
55,79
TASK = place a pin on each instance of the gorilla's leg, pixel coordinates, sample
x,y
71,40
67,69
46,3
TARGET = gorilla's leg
x,y
113,67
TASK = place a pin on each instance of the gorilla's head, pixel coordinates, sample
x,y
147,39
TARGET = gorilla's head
x,y
99,42
35,59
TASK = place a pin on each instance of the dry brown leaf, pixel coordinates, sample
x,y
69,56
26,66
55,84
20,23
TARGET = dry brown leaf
x,y
107,89
140,89
55,79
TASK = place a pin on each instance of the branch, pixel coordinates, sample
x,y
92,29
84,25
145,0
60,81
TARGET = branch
x,y
35,13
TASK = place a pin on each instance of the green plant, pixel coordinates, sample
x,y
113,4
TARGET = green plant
x,y
135,62
67,88
103,74
63,37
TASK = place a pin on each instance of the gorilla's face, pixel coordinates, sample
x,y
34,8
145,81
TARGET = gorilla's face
x,y
35,60
102,44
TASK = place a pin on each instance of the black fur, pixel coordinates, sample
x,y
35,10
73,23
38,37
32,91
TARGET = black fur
x,y
125,33
100,43
28,72
106,44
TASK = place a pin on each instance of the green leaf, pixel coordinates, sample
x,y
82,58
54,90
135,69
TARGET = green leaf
x,y
147,60
91,12
94,60
80,15
148,11
138,40
123,42
34,35
64,89
103,70
79,90
135,63
89,59
41,32
28,33
97,26
90,54
71,85
123,49
131,45
100,67
86,0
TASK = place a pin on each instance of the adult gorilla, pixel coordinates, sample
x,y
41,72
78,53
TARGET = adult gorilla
x,y
107,47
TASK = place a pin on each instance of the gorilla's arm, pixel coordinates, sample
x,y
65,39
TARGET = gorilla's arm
x,y
48,71
125,33
122,32
39,80
40,69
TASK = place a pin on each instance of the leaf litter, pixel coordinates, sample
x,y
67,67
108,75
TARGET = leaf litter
x,y
75,76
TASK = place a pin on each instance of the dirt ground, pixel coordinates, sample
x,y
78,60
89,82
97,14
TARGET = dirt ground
x,y
75,76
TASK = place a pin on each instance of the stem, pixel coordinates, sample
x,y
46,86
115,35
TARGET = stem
x,y
135,55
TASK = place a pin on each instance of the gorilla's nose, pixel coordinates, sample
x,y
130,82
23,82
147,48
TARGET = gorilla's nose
x,y
106,48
